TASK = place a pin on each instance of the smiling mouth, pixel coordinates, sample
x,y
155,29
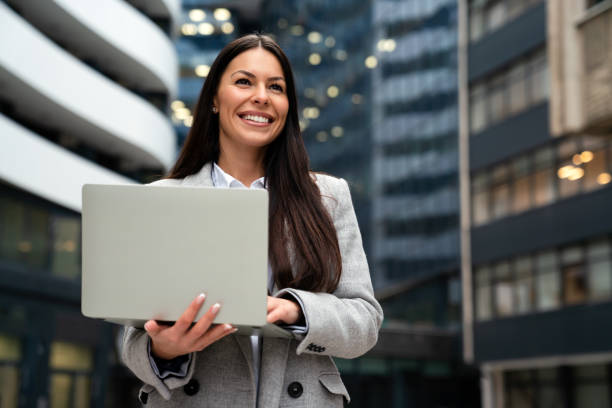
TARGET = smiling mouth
x,y
256,119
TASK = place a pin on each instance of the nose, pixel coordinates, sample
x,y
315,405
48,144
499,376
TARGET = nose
x,y
260,96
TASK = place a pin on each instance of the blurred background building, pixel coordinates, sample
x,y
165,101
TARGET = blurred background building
x,y
84,95
536,158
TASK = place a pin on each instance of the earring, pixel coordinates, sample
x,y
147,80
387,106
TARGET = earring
x,y
214,109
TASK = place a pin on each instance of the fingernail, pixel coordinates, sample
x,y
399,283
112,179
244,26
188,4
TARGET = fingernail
x,y
234,330
201,298
147,326
228,327
216,307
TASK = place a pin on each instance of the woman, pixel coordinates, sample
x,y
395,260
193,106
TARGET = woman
x,y
245,133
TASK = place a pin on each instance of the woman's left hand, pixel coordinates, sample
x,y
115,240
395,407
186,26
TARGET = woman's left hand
x,y
283,310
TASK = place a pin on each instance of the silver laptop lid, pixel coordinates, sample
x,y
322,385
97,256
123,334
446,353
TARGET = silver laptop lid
x,y
148,251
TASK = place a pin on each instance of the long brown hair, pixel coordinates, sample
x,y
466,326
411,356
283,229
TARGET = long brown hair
x,y
298,218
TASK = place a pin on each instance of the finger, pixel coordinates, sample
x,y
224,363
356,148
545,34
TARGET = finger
x,y
214,334
275,315
202,326
152,328
272,302
189,315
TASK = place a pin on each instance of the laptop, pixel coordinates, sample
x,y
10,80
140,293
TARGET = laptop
x,y
148,251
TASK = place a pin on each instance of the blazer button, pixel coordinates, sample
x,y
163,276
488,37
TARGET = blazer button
x,y
143,397
192,387
295,389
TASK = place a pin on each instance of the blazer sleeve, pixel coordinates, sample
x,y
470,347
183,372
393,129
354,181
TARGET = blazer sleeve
x,y
135,355
344,323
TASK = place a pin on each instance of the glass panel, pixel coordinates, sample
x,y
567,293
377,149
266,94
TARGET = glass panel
x,y
496,15
10,349
61,388
476,23
478,109
575,285
521,199
543,186
593,168
548,282
480,208
550,396
69,356
539,79
82,391
600,279
518,89
524,285
592,396
483,294
39,238
12,229
66,251
503,290
9,386
569,179
522,397
497,100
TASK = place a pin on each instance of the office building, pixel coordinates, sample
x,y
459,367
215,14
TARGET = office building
x,y
84,98
536,159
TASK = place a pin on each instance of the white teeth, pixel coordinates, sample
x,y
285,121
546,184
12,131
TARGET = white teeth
x,y
254,118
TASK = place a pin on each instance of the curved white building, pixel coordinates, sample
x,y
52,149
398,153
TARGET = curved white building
x,y
85,89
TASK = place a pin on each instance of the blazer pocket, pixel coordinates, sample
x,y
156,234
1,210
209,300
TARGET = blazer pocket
x,y
333,383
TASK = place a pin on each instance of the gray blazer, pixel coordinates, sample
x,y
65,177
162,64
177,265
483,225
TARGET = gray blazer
x,y
294,373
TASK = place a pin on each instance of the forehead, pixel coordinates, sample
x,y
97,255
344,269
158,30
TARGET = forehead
x,y
257,61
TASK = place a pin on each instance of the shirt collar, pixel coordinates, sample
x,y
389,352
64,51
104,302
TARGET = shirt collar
x,y
222,179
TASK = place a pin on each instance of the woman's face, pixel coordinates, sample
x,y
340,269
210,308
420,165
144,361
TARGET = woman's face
x,y
252,100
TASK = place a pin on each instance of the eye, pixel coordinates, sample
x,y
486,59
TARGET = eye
x,y
276,87
243,81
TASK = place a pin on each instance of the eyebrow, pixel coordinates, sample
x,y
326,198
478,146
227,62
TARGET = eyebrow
x,y
251,75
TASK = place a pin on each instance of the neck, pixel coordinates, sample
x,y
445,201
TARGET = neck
x,y
246,165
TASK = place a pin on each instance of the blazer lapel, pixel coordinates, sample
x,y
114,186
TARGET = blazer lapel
x,y
273,363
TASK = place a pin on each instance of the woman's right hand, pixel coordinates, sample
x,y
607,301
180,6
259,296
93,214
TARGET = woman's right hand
x,y
168,342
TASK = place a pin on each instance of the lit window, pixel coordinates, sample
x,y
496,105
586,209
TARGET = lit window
x,y
222,14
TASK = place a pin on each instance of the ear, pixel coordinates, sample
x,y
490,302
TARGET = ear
x,y
216,101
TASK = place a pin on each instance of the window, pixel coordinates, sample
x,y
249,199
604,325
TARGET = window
x,y
483,294
521,200
594,166
71,366
547,281
591,386
518,89
66,247
574,276
599,269
503,290
543,178
539,78
497,99
480,200
10,360
478,108
524,287
500,192
509,91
